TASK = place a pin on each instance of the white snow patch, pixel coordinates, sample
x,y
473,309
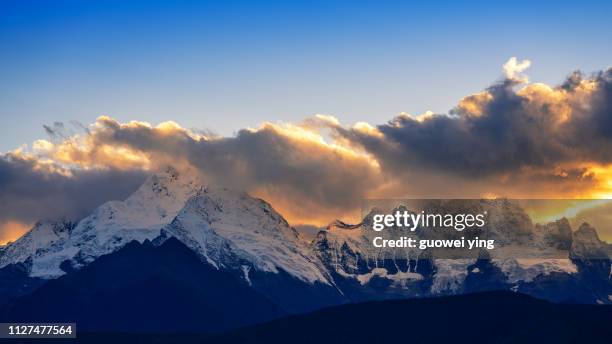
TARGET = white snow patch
x,y
399,277
245,271
450,275
527,270
365,278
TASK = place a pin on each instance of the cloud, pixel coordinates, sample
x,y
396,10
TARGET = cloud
x,y
32,191
512,139
537,133
292,165
513,70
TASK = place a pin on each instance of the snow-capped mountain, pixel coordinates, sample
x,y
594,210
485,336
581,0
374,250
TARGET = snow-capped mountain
x,y
527,255
37,242
232,230
52,247
244,236
228,229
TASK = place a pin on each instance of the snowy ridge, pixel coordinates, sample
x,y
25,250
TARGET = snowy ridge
x,y
232,229
40,240
108,228
229,229
508,224
526,270
140,217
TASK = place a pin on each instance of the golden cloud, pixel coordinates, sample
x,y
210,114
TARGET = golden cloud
x,y
536,141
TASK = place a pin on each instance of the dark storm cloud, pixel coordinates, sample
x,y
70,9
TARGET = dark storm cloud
x,y
512,130
592,127
29,194
272,160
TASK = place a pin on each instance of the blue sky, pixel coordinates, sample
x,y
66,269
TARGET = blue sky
x,y
226,65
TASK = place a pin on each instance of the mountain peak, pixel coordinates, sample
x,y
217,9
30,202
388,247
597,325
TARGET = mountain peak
x,y
587,231
42,238
586,244
140,217
171,182
231,229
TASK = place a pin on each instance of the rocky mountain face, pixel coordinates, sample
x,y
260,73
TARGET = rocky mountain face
x,y
574,266
254,247
557,234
